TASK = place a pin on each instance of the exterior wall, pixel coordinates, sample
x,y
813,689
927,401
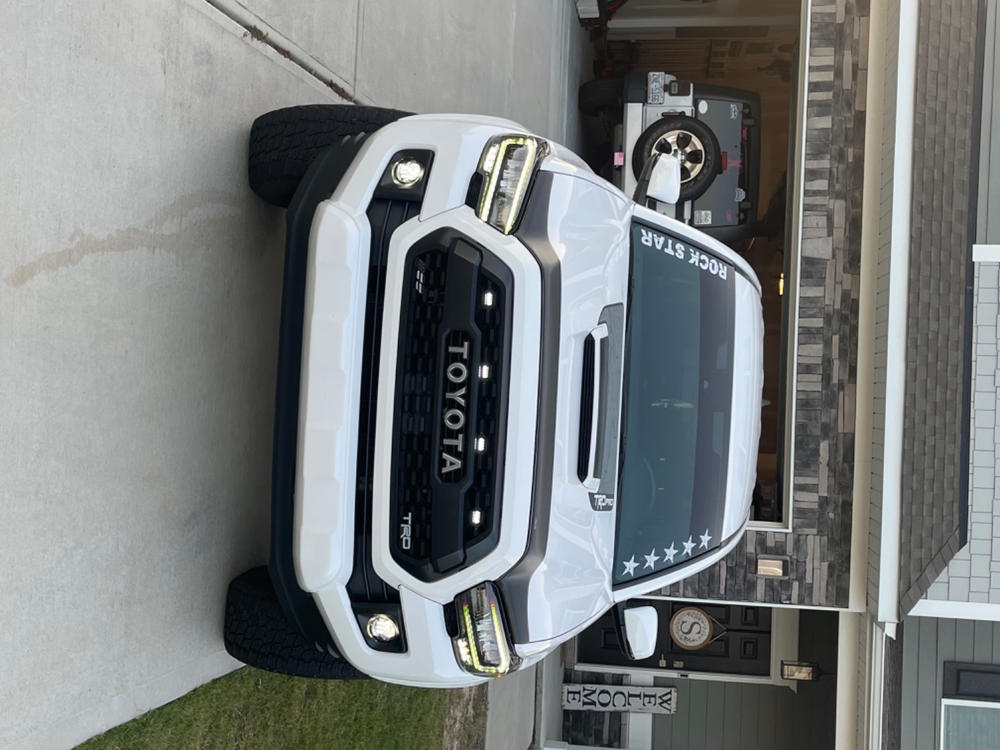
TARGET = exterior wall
x,y
593,728
892,689
974,573
935,407
819,545
728,715
928,643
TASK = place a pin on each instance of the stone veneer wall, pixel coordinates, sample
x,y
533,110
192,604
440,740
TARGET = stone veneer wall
x,y
819,546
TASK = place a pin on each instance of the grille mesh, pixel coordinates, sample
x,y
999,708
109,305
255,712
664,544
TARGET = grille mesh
x,y
425,496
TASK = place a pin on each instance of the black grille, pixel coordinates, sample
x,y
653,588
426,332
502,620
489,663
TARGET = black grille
x,y
490,322
451,413
415,401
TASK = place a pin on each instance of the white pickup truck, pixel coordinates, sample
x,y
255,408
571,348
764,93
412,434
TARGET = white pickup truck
x,y
509,398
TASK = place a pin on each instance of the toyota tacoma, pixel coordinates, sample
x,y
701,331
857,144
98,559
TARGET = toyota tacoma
x,y
509,398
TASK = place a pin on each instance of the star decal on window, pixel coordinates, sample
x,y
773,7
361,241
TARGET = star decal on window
x,y
630,566
689,545
669,552
651,559
705,539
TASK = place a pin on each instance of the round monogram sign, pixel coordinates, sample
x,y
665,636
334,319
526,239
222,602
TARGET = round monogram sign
x,y
690,628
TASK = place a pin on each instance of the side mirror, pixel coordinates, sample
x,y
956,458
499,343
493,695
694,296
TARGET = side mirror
x,y
636,628
660,179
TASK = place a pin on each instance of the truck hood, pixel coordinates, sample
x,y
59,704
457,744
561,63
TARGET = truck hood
x,y
587,223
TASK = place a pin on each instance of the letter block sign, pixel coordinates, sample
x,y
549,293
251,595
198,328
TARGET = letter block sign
x,y
635,698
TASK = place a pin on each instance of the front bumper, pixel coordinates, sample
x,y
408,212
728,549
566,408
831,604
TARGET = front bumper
x,y
325,558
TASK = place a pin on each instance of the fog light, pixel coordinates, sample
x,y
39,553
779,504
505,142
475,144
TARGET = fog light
x,y
407,172
382,628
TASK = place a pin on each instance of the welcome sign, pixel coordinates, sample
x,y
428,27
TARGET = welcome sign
x,y
633,698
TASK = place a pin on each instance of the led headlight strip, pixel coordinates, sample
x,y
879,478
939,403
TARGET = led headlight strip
x,y
481,645
507,164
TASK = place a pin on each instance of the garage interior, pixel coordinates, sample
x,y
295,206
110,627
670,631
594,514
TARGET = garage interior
x,y
751,45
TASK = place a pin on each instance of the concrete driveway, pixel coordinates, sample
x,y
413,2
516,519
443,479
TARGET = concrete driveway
x,y
139,293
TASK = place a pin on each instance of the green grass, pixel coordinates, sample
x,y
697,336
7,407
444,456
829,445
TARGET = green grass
x,y
254,709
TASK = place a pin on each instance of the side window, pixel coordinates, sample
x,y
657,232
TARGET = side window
x,y
970,707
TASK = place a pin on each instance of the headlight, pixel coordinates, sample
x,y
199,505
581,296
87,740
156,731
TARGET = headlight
x,y
481,646
506,167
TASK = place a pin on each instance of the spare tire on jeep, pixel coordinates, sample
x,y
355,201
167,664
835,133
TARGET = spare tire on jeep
x,y
692,140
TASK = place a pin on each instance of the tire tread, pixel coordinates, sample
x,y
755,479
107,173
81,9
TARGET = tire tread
x,y
257,633
283,143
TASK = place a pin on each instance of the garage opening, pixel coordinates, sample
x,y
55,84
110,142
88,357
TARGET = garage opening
x,y
715,82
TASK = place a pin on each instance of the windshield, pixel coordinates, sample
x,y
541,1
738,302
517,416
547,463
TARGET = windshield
x,y
677,402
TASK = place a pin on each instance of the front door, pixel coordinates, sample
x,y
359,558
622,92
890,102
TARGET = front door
x,y
693,637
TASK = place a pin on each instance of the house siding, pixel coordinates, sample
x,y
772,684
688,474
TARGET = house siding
x,y
729,715
819,545
892,689
928,643
973,575
939,273
726,715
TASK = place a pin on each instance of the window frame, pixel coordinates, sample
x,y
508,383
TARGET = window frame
x,y
947,703
985,695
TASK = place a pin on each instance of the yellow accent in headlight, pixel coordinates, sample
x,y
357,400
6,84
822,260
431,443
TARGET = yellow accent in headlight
x,y
464,652
473,647
493,165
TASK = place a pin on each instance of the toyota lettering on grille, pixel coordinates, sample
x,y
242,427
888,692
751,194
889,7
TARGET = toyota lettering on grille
x,y
454,408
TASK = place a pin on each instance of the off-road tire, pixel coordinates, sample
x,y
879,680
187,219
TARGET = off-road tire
x,y
601,95
283,143
257,633
711,165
